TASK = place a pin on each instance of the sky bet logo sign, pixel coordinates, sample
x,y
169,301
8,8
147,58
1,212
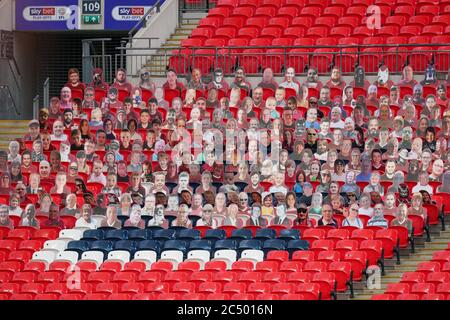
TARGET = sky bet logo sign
x,y
129,13
41,13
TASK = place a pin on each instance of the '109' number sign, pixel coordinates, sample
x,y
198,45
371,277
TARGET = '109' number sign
x,y
91,7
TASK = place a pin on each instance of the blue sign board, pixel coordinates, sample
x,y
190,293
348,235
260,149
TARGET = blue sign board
x,y
61,15
124,14
32,15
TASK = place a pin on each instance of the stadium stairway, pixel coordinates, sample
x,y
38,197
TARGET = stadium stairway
x,y
409,261
157,64
10,130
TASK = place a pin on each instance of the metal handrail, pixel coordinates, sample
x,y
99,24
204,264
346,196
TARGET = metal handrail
x,y
318,46
36,107
157,5
46,89
12,98
125,47
363,46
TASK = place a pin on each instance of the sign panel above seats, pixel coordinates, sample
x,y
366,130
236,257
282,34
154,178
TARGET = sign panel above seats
x,y
62,15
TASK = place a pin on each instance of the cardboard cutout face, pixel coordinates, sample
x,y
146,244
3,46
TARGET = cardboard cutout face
x,y
383,75
300,127
218,76
430,75
360,76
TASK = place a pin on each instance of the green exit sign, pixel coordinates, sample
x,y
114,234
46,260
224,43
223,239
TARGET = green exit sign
x,y
91,19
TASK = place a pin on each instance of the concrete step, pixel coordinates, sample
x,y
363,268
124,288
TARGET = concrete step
x,y
193,20
194,14
11,130
179,36
187,27
14,128
7,137
393,274
406,263
184,31
363,297
173,41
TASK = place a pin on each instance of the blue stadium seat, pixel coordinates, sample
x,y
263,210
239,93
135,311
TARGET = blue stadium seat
x,y
146,219
194,219
104,246
241,185
93,235
225,244
128,245
215,234
274,244
241,234
177,229
164,234
149,245
265,234
289,234
129,228
217,185
189,234
295,245
200,245
123,219
116,234
104,229
154,228
194,185
79,246
179,245
250,244
170,218
140,234
171,185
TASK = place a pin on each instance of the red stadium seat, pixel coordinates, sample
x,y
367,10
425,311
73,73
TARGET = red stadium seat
x,y
157,287
283,288
422,288
291,266
442,58
242,266
303,256
194,296
209,287
406,296
443,288
107,288
201,33
309,291
234,287
410,31
396,289
99,277
428,10
315,267
299,277
359,262
390,240
265,12
433,296
132,288
413,277
310,12
274,277
321,245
